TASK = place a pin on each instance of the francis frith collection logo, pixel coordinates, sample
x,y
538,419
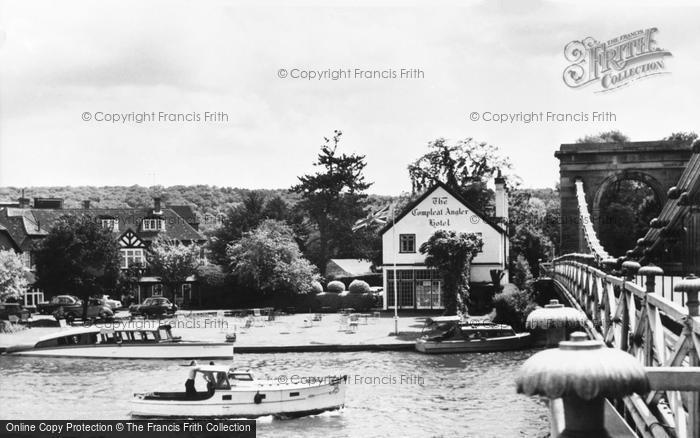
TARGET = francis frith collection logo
x,y
614,63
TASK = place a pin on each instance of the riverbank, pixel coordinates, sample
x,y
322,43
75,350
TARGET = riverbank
x,y
287,333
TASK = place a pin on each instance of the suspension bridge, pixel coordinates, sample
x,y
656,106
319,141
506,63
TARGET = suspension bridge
x,y
645,302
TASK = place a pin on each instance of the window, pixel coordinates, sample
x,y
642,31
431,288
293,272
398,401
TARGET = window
x,y
28,260
153,225
481,235
133,257
111,224
407,243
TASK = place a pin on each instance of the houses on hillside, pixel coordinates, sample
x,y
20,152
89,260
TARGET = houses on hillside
x,y
23,226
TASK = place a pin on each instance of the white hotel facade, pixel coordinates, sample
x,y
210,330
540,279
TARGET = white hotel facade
x,y
419,287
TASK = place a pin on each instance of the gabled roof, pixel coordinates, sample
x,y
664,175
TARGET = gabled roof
x,y
25,225
176,227
454,194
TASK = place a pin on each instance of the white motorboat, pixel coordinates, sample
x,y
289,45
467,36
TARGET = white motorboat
x,y
123,343
450,334
234,393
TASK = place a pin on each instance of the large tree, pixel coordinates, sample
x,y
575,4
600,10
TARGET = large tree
x,y
268,260
465,165
13,281
239,219
79,257
173,262
334,199
451,254
254,208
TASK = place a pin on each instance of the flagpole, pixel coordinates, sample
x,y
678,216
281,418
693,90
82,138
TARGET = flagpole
x,y
396,302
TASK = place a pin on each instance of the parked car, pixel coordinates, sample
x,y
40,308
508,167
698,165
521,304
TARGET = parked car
x,y
65,301
10,309
111,303
96,309
153,306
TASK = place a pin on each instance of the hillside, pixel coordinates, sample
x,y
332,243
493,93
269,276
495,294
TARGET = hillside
x,y
209,201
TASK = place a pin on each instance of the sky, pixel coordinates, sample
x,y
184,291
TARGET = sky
x,y
65,67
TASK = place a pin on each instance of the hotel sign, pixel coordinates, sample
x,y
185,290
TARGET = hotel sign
x,y
440,215
616,62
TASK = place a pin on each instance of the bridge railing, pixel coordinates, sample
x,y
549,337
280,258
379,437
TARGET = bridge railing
x,y
662,334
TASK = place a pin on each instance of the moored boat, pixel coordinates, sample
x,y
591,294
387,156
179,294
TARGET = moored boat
x,y
450,334
122,343
235,393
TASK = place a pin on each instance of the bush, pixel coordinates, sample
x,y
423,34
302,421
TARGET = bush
x,y
521,272
330,300
316,287
335,286
512,307
359,287
357,301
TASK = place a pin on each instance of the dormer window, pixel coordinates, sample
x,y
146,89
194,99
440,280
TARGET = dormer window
x,y
153,224
110,224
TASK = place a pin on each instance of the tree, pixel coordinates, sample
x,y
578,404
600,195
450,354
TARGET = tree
x,y
173,262
522,275
268,259
79,257
13,282
451,254
247,215
533,225
244,217
334,199
613,136
682,137
466,166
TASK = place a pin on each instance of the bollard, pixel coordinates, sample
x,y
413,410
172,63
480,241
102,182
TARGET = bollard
x,y
583,373
629,268
690,286
555,319
650,271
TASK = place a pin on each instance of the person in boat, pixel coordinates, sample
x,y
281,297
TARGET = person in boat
x,y
189,383
211,385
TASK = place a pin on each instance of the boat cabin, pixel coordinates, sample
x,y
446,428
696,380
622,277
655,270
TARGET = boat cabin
x,y
452,327
96,336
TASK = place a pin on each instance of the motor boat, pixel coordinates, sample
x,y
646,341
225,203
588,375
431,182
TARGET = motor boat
x,y
123,343
452,334
235,393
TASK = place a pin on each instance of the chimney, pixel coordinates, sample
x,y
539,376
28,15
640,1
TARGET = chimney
x,y
156,205
86,204
501,198
22,201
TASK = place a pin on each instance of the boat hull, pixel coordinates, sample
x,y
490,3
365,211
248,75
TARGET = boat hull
x,y
505,343
181,350
279,400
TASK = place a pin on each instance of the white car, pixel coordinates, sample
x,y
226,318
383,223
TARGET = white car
x,y
112,304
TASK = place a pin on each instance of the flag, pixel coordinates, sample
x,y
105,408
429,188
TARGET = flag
x,y
379,217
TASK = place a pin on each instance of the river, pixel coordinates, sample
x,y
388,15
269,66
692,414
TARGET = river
x,y
389,393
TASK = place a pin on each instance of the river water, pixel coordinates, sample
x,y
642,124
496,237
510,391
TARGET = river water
x,y
389,393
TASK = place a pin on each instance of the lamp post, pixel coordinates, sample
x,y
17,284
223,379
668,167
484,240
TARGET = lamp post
x,y
396,301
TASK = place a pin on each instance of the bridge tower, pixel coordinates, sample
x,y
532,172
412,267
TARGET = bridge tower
x,y
658,164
